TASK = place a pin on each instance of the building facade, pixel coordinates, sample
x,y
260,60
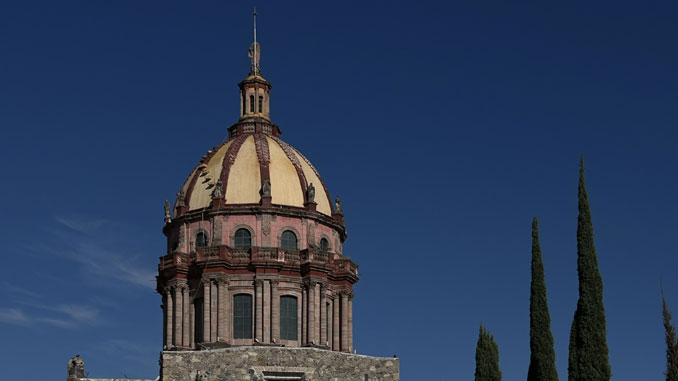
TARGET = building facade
x,y
254,282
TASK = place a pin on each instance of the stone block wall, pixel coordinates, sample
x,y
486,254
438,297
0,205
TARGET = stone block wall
x,y
266,363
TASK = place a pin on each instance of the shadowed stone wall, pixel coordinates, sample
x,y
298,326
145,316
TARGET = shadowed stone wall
x,y
262,363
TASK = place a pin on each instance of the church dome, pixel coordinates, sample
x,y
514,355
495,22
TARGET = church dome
x,y
241,166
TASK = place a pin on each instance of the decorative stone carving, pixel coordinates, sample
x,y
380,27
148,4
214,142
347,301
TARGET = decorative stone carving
x,y
182,237
167,210
266,225
180,198
218,192
338,206
216,230
310,193
266,188
310,234
76,368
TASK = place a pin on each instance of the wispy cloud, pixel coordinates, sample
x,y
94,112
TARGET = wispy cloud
x,y
82,226
98,246
72,318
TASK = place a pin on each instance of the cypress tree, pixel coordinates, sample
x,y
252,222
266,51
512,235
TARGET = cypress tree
x,y
588,358
671,344
542,354
487,357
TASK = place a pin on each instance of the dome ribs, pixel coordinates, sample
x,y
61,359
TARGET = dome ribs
x,y
196,174
329,200
261,145
229,159
293,158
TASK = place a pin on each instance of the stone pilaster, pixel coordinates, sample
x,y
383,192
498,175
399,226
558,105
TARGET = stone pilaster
x,y
323,314
259,310
222,317
192,324
267,312
304,314
311,314
344,322
275,313
186,306
350,322
169,311
206,312
335,323
214,303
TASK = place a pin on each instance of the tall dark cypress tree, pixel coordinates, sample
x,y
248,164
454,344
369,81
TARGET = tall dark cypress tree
x,y
487,357
588,359
671,344
542,354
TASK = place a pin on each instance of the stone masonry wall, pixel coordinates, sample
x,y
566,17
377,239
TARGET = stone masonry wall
x,y
254,363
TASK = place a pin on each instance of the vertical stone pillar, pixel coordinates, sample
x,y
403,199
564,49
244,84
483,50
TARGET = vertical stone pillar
x,y
259,310
335,323
311,314
275,313
178,315
192,325
350,322
186,303
206,321
323,315
344,322
267,312
222,317
304,314
169,310
214,303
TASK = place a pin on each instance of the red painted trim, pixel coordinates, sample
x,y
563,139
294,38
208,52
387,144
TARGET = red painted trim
x,y
295,162
205,159
229,159
263,155
327,193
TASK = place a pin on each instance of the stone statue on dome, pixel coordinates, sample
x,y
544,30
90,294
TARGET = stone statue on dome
x,y
266,188
180,198
218,191
338,206
310,193
167,210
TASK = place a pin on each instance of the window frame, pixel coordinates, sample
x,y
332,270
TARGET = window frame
x,y
242,323
289,317
283,240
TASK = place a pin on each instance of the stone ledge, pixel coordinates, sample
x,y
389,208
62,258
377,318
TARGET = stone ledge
x,y
252,363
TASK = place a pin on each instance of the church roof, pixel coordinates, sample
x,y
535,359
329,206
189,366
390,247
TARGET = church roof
x,y
243,163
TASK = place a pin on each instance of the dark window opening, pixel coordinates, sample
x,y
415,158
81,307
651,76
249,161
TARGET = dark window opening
x,y
243,239
242,316
201,240
288,317
324,244
261,104
198,304
288,240
252,103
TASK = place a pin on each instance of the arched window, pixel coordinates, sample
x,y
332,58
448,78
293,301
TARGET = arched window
x,y
288,240
252,103
261,104
288,317
242,316
201,240
324,244
242,239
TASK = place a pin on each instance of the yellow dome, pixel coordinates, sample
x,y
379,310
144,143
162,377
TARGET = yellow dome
x,y
243,164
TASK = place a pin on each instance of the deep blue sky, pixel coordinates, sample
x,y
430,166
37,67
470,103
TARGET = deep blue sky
x,y
445,127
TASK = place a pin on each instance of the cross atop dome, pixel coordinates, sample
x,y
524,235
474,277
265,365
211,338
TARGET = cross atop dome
x,y
255,95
